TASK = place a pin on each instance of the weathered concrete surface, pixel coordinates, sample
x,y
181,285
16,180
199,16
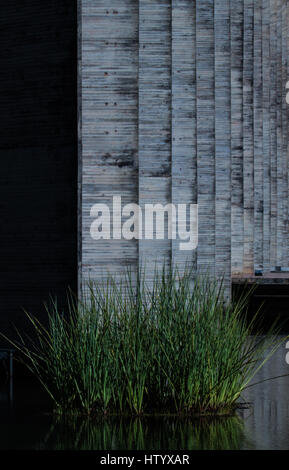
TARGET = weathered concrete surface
x,y
184,101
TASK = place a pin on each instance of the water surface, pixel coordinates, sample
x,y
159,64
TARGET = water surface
x,y
26,422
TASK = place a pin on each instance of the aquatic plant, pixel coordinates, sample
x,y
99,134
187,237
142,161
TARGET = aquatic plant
x,y
176,346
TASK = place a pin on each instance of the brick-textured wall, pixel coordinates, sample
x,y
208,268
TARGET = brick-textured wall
x,y
38,154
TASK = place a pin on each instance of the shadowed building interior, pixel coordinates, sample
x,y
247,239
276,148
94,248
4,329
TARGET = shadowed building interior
x,y
38,148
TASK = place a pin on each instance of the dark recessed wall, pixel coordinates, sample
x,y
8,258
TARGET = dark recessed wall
x,y
38,151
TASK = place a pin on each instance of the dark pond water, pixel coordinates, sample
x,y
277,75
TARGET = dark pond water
x,y
25,422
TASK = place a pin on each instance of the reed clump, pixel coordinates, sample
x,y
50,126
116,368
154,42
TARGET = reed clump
x,y
126,348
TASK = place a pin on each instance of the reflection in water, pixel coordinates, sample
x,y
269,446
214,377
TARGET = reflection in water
x,y
265,425
267,421
6,394
146,433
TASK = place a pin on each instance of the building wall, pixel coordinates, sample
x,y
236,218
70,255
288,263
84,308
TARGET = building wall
x,y
38,149
184,101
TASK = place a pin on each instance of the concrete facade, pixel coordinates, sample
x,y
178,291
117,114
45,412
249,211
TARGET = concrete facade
x,y
185,101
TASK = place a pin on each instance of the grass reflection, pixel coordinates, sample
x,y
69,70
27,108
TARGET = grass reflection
x,y
157,433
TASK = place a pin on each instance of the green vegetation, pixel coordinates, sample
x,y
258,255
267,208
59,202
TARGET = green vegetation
x,y
177,347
